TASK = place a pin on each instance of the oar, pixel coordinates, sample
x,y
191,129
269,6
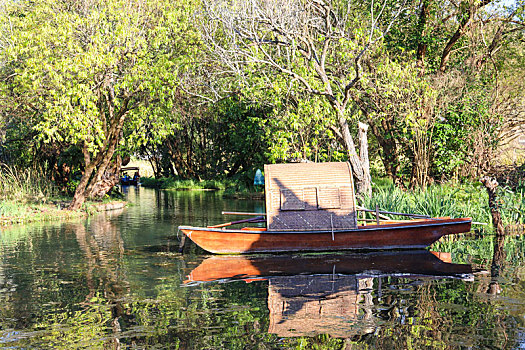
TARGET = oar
x,y
394,213
384,217
242,213
257,219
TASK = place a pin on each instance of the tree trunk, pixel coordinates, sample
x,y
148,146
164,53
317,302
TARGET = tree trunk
x,y
463,24
491,185
363,154
390,152
108,180
422,45
80,192
362,180
103,158
101,169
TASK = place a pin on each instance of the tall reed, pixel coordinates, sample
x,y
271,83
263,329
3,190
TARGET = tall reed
x,y
513,206
25,185
449,200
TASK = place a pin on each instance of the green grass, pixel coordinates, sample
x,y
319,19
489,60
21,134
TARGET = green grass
x,y
513,206
169,183
233,188
12,212
27,195
454,200
25,185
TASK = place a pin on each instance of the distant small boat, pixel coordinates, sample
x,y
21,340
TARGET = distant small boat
x,y
312,207
127,180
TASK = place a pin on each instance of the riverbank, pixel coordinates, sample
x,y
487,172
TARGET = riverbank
x,y
232,189
438,200
13,212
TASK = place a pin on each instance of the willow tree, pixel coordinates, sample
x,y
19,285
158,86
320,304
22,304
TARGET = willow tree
x,y
87,70
318,44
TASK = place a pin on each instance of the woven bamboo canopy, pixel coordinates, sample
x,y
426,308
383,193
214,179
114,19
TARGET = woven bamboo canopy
x,y
310,196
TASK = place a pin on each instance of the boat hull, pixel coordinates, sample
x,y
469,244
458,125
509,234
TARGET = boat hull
x,y
408,235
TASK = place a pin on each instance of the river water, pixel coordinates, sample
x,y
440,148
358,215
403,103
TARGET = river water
x,y
118,281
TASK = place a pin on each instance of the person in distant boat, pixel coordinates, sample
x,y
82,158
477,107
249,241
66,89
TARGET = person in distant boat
x,y
136,176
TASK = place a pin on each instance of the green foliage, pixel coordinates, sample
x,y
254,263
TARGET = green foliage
x,y
68,72
239,186
465,135
90,75
175,184
25,185
447,200
512,205
302,128
213,142
398,103
59,57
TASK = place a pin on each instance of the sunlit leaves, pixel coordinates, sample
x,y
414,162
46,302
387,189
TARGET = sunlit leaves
x,y
70,56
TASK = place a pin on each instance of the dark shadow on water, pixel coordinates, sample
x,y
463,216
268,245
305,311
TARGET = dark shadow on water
x,y
159,249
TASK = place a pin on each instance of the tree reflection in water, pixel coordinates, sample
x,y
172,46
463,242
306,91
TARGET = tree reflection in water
x,y
103,248
109,282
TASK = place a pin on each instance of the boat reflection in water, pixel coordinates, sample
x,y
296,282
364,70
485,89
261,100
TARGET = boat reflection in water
x,y
326,294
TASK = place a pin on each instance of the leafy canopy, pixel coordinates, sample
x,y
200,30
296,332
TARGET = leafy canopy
x,y
79,66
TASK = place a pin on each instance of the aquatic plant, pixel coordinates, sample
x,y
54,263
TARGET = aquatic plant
x,y
436,201
171,183
513,206
233,188
454,200
389,198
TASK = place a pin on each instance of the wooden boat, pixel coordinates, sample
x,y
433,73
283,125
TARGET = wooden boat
x,y
126,179
406,235
311,207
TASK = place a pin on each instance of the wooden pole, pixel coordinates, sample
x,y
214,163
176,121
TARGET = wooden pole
x,y
358,208
242,213
394,213
257,219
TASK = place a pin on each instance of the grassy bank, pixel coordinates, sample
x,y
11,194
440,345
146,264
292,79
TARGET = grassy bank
x,y
15,212
169,183
454,200
28,196
231,188
12,212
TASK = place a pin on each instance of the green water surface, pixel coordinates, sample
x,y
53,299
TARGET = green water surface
x,y
118,281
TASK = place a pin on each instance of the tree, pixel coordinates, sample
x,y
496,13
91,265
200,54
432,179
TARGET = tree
x,y
213,141
85,72
464,97
399,107
316,43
